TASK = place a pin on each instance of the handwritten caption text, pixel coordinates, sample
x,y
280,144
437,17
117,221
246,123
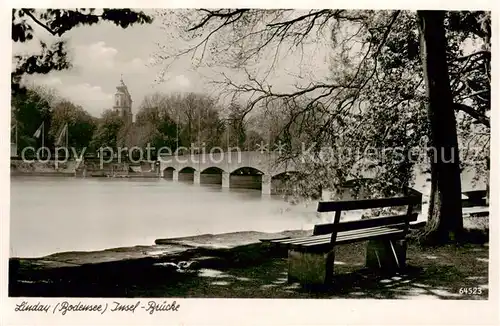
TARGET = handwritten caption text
x,y
65,307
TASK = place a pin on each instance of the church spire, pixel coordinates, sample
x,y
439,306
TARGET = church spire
x,y
123,101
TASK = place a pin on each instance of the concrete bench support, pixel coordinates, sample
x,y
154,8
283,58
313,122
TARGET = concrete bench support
x,y
386,255
310,268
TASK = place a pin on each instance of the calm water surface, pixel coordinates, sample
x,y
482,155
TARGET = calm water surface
x,y
50,215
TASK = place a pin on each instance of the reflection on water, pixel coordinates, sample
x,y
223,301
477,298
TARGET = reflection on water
x,y
51,215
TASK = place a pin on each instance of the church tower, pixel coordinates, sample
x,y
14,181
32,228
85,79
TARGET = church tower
x,y
123,102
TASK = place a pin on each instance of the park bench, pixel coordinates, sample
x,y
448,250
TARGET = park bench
x,y
475,204
311,258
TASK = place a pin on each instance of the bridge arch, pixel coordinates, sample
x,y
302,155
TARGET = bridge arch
x,y
212,175
187,174
246,177
280,182
187,169
212,170
247,170
286,175
168,173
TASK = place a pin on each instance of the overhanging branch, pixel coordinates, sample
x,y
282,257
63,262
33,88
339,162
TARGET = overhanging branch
x,y
481,118
47,28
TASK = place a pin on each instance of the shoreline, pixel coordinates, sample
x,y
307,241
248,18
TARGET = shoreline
x,y
239,265
74,175
41,174
37,276
475,225
226,240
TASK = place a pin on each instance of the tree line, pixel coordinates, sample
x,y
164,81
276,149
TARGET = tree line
x,y
163,120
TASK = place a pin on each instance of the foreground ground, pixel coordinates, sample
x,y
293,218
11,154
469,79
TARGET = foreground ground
x,y
237,265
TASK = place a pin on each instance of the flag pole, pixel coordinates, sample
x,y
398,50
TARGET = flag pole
x,y
67,142
177,134
43,134
17,138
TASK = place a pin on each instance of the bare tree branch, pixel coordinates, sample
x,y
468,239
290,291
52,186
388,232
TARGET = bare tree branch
x,y
484,53
48,29
473,113
219,14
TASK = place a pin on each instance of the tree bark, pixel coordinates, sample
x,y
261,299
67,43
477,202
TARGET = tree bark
x,y
445,222
488,181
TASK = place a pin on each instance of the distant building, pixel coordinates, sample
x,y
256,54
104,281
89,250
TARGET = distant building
x,y
13,137
123,102
13,150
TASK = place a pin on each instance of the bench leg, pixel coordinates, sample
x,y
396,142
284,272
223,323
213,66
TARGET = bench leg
x,y
310,268
387,255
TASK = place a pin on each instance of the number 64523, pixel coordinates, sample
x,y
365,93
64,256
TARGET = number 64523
x,y
470,291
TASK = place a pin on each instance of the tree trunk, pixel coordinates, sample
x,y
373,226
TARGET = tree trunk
x,y
445,221
488,181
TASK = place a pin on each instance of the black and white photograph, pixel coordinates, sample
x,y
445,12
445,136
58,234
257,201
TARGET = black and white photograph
x,y
160,154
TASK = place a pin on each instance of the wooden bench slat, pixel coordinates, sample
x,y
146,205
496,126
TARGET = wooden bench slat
x,y
476,211
275,239
359,234
349,205
297,240
362,224
301,239
326,246
391,231
327,237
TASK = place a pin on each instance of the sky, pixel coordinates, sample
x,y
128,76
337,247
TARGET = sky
x,y
102,53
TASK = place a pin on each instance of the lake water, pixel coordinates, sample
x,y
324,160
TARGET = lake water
x,y
50,215
58,214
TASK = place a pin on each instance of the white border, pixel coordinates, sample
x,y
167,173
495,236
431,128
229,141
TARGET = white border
x,y
257,311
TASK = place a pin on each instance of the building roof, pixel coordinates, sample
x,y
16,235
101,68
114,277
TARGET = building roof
x,y
122,88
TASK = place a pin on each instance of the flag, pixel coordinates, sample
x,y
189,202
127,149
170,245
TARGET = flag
x,y
63,132
13,139
38,132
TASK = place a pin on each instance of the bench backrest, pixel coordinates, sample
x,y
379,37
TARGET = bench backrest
x,y
364,224
349,205
475,198
476,193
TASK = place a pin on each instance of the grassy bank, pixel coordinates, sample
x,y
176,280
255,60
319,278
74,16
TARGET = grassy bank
x,y
238,266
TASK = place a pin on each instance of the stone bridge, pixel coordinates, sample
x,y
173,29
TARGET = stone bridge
x,y
258,170
245,169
